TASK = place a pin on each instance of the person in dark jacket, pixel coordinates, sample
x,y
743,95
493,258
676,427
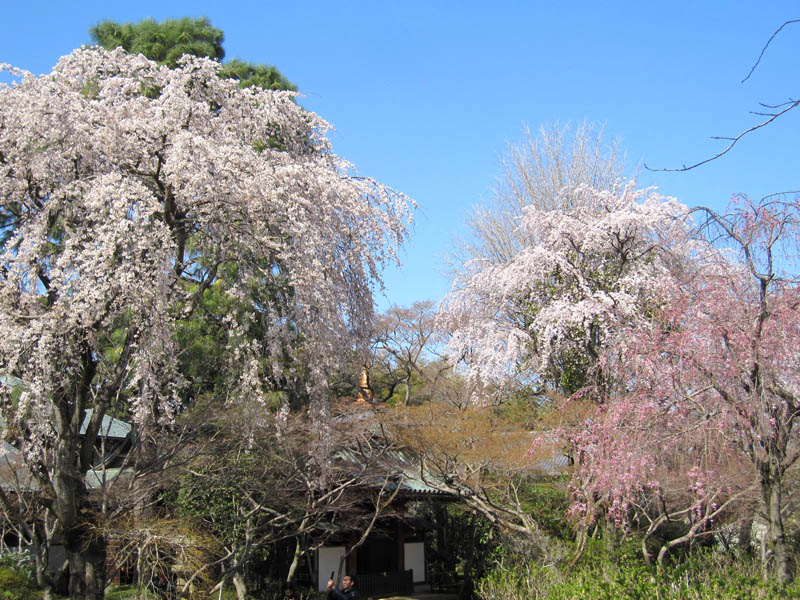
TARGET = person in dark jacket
x,y
289,593
348,591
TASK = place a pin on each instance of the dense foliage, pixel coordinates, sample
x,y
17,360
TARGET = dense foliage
x,y
17,580
163,42
703,576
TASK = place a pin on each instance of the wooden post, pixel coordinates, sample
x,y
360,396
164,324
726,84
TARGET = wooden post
x,y
352,559
401,546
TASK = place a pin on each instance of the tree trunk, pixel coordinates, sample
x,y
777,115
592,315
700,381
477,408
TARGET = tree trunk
x,y
784,567
744,535
140,580
87,567
580,547
240,585
40,554
298,554
611,535
765,553
86,551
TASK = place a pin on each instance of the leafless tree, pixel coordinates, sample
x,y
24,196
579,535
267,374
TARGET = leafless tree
x,y
407,344
482,459
277,482
535,171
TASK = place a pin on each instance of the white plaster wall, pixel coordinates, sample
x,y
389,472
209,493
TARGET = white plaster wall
x,y
415,559
328,560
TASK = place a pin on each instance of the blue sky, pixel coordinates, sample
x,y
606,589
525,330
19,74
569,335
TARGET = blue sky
x,y
424,95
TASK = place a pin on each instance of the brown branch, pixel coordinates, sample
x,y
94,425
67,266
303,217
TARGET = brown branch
x,y
792,104
764,49
772,116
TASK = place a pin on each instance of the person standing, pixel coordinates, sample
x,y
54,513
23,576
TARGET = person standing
x,y
289,592
348,591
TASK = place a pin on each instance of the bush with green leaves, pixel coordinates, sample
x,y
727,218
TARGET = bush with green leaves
x,y
20,561
16,584
16,576
703,575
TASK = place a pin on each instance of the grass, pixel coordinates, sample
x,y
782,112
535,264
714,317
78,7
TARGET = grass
x,y
703,575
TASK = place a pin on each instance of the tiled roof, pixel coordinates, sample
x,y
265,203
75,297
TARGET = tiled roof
x,y
10,380
15,476
97,476
110,428
414,479
555,465
398,465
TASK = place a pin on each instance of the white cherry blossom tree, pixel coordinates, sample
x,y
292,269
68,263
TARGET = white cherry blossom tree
x,y
129,189
546,314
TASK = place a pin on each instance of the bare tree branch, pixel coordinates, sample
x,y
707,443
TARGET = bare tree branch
x,y
790,105
786,107
769,41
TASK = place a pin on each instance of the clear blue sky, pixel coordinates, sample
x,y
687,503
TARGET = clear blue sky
x,y
424,95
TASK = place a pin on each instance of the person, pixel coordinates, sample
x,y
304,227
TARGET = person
x,y
289,593
348,591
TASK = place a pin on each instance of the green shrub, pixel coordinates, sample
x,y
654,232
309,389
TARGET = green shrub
x,y
704,575
547,503
123,592
21,562
16,585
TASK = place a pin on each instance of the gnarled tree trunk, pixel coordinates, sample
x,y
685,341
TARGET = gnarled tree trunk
x,y
772,493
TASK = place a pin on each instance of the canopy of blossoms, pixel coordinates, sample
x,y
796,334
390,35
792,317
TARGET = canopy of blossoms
x,y
129,189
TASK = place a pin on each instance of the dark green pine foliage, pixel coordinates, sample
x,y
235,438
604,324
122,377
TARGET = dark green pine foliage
x,y
167,41
203,337
163,42
249,74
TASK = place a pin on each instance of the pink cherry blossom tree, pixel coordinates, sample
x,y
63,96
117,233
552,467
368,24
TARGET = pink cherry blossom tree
x,y
132,189
647,462
703,418
714,373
